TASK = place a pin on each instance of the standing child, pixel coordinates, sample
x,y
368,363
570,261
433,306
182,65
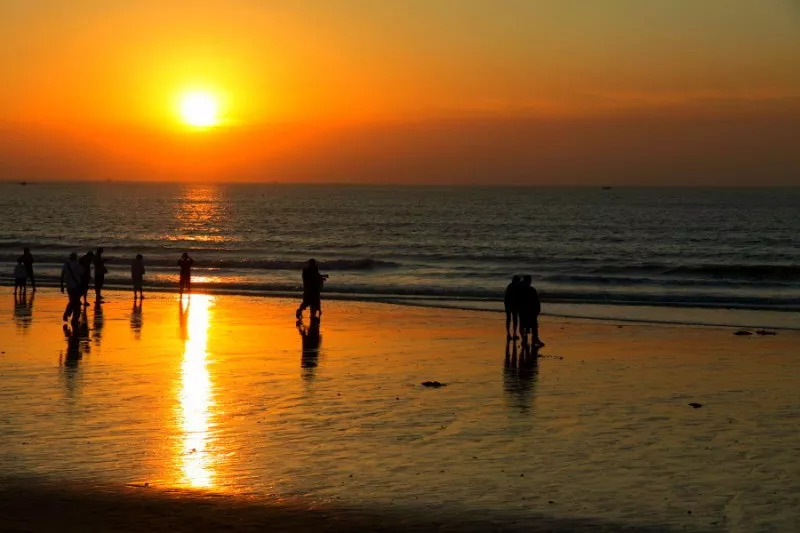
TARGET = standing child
x,y
137,275
20,276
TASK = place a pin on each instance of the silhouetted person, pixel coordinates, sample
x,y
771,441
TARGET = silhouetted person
x,y
86,275
71,273
185,263
312,290
137,275
530,308
100,271
311,340
20,275
511,301
27,260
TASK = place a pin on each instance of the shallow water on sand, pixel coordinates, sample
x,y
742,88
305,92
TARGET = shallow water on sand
x,y
225,393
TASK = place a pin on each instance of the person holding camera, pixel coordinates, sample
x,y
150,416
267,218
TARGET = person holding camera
x,y
312,290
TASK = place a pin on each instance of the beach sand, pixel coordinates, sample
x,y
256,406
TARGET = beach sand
x,y
222,414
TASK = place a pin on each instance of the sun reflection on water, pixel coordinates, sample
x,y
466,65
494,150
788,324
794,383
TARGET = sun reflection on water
x,y
196,396
201,216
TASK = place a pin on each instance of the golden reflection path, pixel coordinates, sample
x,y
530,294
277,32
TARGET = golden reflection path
x,y
200,215
196,395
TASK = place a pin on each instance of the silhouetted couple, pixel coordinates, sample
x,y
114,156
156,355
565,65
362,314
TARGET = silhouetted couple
x,y
312,290
86,262
23,272
522,306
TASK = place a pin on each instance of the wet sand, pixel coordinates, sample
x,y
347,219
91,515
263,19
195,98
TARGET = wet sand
x,y
222,413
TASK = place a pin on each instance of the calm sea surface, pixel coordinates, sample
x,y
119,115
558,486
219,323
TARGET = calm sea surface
x,y
657,247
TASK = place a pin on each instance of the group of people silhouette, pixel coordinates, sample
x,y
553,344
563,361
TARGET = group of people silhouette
x,y
76,277
521,299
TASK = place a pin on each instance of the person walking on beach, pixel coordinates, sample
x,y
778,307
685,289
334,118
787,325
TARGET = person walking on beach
x,y
100,271
312,290
530,308
511,301
27,261
86,275
137,275
186,262
19,277
71,277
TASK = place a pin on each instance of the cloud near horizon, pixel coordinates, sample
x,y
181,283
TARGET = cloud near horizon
x,y
753,145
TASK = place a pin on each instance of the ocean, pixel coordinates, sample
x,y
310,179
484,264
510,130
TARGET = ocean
x,y
658,248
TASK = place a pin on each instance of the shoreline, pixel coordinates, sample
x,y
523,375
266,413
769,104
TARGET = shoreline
x,y
669,314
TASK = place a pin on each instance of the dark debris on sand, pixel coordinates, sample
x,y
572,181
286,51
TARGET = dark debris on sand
x,y
744,332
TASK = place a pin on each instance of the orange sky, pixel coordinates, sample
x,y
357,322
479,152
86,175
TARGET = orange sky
x,y
520,91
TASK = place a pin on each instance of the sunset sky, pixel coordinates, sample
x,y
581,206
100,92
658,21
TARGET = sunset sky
x,y
661,92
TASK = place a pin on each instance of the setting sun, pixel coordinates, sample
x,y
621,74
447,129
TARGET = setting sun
x,y
199,109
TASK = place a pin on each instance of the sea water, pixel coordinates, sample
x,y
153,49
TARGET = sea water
x,y
654,248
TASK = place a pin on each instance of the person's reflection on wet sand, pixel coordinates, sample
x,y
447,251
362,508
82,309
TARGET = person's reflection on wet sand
x,y
97,324
136,319
521,372
183,318
311,340
23,310
77,337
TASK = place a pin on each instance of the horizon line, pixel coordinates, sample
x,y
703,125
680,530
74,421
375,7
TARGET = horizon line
x,y
607,186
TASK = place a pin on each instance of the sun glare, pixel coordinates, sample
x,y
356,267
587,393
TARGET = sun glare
x,y
199,109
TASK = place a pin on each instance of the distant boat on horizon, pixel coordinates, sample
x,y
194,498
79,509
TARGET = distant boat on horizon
x,y
606,188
